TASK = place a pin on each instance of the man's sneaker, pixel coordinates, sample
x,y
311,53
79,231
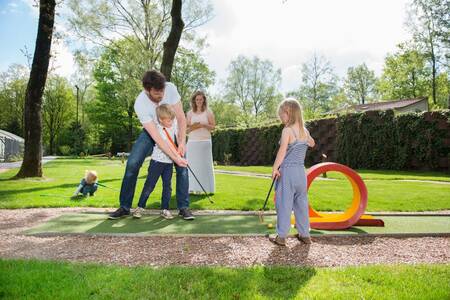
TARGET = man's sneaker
x,y
120,213
277,240
138,212
303,239
186,214
166,214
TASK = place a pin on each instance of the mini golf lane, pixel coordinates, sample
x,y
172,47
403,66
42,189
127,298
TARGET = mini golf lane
x,y
96,223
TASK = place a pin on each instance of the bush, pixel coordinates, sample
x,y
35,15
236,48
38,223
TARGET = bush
x,y
65,150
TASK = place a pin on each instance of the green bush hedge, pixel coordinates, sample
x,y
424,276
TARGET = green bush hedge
x,y
372,140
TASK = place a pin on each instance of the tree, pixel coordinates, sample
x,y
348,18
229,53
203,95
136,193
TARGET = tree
x,y
360,84
145,23
12,98
171,44
57,108
429,23
32,165
226,114
190,73
117,84
253,85
405,75
319,83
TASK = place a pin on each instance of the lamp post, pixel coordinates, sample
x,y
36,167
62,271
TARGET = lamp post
x,y
76,86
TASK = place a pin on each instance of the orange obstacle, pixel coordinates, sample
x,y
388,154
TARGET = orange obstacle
x,y
354,215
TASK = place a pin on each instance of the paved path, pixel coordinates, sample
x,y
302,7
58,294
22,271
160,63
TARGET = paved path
x,y
11,165
261,175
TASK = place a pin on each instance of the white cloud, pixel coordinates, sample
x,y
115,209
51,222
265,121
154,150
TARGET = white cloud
x,y
63,61
347,32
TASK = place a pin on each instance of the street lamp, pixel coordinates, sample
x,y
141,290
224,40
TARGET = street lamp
x,y
76,86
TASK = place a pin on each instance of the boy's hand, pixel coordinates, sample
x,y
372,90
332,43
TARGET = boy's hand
x,y
276,174
181,162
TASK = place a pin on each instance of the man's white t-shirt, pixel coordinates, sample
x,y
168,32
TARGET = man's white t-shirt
x,y
158,154
146,109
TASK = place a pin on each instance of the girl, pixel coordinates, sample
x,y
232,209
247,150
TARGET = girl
x,y
289,170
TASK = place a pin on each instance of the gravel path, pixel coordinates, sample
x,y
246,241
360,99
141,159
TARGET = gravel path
x,y
223,251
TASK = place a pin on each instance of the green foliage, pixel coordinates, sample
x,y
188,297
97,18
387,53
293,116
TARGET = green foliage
x,y
374,140
360,84
319,85
252,84
117,85
380,140
405,75
65,150
13,84
58,108
367,140
190,73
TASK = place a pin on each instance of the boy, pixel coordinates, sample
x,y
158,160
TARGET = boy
x,y
160,164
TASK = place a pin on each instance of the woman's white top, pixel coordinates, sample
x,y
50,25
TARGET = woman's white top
x,y
201,134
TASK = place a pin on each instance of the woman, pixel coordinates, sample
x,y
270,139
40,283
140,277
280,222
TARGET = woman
x,y
200,123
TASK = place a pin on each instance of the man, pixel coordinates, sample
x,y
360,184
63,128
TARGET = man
x,y
156,91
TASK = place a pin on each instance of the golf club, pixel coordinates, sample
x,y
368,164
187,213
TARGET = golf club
x,y
261,211
198,181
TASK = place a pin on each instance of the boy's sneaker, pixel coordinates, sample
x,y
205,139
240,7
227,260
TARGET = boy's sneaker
x,y
166,214
138,212
120,213
186,214
304,239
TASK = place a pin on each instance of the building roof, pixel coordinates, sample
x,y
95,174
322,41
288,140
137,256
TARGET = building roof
x,y
11,136
381,105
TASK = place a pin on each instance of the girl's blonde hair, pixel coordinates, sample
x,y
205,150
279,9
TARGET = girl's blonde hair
x,y
194,104
90,176
294,111
164,111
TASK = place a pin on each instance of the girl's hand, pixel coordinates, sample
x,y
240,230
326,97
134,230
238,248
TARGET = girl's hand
x,y
275,174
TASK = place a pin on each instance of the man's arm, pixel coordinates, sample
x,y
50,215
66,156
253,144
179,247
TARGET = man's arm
x,y
154,133
181,119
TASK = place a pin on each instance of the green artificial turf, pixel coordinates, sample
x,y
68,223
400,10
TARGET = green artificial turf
x,y
94,223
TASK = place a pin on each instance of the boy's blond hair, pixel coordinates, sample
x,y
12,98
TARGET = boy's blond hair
x,y
90,176
165,111
294,111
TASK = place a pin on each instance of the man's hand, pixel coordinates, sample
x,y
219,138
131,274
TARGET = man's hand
x,y
181,149
181,162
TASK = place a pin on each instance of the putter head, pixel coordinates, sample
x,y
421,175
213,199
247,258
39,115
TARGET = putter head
x,y
261,216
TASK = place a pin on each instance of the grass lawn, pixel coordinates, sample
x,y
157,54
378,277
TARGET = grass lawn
x,y
56,280
232,192
365,174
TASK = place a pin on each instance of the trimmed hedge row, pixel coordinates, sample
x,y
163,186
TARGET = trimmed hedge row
x,y
372,140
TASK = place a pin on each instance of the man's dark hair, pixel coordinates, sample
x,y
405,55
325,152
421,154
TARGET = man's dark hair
x,y
153,80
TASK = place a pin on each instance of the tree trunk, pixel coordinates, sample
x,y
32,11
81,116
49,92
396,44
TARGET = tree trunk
x,y
171,44
32,165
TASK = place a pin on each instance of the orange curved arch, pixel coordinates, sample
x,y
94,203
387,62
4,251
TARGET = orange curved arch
x,y
336,221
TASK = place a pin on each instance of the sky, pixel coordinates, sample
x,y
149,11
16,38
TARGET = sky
x,y
286,32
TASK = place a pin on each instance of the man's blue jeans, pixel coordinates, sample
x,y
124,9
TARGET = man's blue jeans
x,y
142,148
